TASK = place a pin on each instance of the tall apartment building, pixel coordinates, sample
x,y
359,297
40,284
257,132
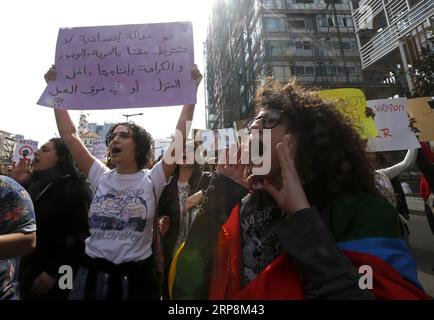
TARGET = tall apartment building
x,y
393,32
251,39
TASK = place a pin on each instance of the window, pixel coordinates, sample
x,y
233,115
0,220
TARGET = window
x,y
310,69
268,3
309,24
278,48
351,70
298,44
323,22
331,70
281,72
354,45
306,45
297,24
274,25
274,3
346,45
299,70
341,71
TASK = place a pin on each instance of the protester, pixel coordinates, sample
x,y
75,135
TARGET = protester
x,y
317,219
17,233
119,260
61,198
425,163
392,192
176,209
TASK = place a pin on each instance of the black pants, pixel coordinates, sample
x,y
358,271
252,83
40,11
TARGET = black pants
x,y
99,279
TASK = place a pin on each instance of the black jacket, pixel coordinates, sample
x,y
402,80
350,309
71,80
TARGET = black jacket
x,y
169,206
61,212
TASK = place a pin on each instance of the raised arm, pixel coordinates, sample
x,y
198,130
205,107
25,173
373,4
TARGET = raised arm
x,y
68,133
82,157
181,127
395,170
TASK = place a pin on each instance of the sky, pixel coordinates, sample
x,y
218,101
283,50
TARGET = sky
x,y
29,38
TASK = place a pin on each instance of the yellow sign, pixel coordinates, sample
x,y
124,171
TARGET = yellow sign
x,y
352,103
420,110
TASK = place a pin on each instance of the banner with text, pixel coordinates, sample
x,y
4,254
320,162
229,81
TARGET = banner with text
x,y
352,103
392,123
125,66
24,150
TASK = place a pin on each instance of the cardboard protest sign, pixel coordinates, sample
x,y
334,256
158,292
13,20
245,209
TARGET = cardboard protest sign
x,y
125,66
352,103
392,123
24,149
423,113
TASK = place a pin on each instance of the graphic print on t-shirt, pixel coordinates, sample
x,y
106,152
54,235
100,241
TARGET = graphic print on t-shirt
x,y
119,210
260,246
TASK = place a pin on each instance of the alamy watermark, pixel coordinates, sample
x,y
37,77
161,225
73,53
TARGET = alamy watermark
x,y
257,152
67,277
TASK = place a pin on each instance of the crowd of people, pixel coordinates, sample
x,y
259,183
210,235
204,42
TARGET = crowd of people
x,y
130,230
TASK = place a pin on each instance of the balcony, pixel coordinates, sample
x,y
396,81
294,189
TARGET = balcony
x,y
400,24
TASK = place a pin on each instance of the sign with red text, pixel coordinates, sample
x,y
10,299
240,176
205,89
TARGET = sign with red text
x,y
125,66
24,150
393,131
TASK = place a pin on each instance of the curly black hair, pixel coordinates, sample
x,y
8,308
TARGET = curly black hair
x,y
142,140
331,158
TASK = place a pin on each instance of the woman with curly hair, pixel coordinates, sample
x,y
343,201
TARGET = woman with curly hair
x,y
123,248
304,229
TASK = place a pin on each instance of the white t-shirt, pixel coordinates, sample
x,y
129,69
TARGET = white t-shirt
x,y
122,212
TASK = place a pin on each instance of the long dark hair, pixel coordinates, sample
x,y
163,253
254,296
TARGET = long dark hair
x,y
65,164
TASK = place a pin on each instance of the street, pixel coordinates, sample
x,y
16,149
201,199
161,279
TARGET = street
x,y
421,244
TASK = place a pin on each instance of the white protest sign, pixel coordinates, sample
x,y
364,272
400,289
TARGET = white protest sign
x,y
160,147
218,139
24,149
393,126
99,150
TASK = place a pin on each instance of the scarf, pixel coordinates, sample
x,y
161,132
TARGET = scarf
x,y
40,180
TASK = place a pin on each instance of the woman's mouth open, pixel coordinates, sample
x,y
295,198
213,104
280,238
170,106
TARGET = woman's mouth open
x,y
115,150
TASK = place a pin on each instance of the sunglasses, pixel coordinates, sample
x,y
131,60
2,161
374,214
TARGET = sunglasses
x,y
269,120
